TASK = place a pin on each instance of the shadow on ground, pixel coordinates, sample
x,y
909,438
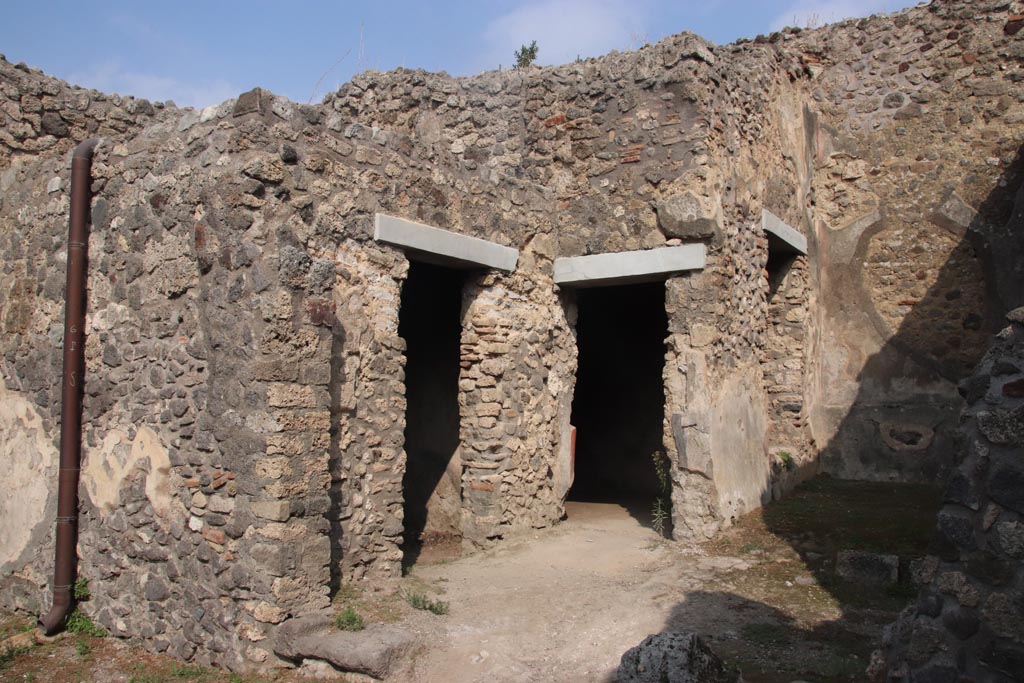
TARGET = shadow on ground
x,y
794,619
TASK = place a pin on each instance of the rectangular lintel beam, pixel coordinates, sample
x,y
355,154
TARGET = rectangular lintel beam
x,y
627,267
786,238
446,247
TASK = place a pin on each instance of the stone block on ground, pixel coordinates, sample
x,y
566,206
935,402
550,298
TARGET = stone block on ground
x,y
373,651
673,658
868,569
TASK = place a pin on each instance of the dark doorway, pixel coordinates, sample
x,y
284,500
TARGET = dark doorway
x,y
430,323
619,403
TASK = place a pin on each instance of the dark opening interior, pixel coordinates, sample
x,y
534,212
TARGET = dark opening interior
x,y
779,263
619,403
429,321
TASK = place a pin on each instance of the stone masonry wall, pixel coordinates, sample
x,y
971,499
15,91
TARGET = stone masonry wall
x,y
919,124
245,396
367,458
518,364
40,115
965,624
784,362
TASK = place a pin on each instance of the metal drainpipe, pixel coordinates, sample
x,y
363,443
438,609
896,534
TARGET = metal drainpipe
x,y
65,552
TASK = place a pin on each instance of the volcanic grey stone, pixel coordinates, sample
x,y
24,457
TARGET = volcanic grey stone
x,y
54,125
372,651
867,569
688,217
673,658
1006,486
956,525
1003,426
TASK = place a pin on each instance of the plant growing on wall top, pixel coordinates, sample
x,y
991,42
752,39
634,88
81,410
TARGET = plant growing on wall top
x,y
526,54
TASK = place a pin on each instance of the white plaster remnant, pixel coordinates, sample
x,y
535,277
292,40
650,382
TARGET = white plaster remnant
x,y
28,461
110,466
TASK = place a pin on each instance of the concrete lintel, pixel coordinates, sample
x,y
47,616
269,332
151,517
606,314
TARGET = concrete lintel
x,y
626,267
444,246
786,238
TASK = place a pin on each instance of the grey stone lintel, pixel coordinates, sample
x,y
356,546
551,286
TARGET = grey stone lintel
x,y
626,267
443,247
782,237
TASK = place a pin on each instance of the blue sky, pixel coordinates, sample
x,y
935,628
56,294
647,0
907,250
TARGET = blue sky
x,y
202,53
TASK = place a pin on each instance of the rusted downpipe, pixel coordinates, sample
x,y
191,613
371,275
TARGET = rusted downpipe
x,y
65,552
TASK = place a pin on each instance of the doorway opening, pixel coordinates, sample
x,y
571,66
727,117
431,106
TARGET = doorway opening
x,y
430,322
619,404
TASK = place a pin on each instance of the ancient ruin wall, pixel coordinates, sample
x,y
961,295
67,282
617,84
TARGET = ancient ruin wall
x,y
244,404
919,124
966,621
41,115
244,400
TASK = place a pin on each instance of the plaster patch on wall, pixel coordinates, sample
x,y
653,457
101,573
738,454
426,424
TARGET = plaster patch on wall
x,y
28,462
738,427
109,467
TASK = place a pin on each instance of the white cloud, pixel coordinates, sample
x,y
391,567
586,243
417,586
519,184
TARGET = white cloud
x,y
564,30
813,13
112,77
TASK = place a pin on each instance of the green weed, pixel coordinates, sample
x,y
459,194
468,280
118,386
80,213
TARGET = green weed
x,y
81,589
185,671
9,654
526,55
421,601
787,461
349,620
79,622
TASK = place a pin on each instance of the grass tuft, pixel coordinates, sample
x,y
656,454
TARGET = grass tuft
x,y
80,622
420,601
9,654
349,620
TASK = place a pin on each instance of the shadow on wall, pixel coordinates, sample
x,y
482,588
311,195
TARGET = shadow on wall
x,y
935,295
939,333
336,490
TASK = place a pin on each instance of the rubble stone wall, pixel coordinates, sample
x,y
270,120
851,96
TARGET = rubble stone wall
x,y
41,115
245,397
966,621
919,117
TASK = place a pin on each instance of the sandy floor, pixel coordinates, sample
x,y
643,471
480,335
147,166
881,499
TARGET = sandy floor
x,y
563,604
560,606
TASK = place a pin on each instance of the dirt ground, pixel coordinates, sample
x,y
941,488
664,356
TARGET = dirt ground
x,y
562,605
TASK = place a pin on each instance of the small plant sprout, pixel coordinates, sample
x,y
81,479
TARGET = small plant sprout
x,y
526,55
787,460
421,601
661,508
349,620
79,622
81,589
